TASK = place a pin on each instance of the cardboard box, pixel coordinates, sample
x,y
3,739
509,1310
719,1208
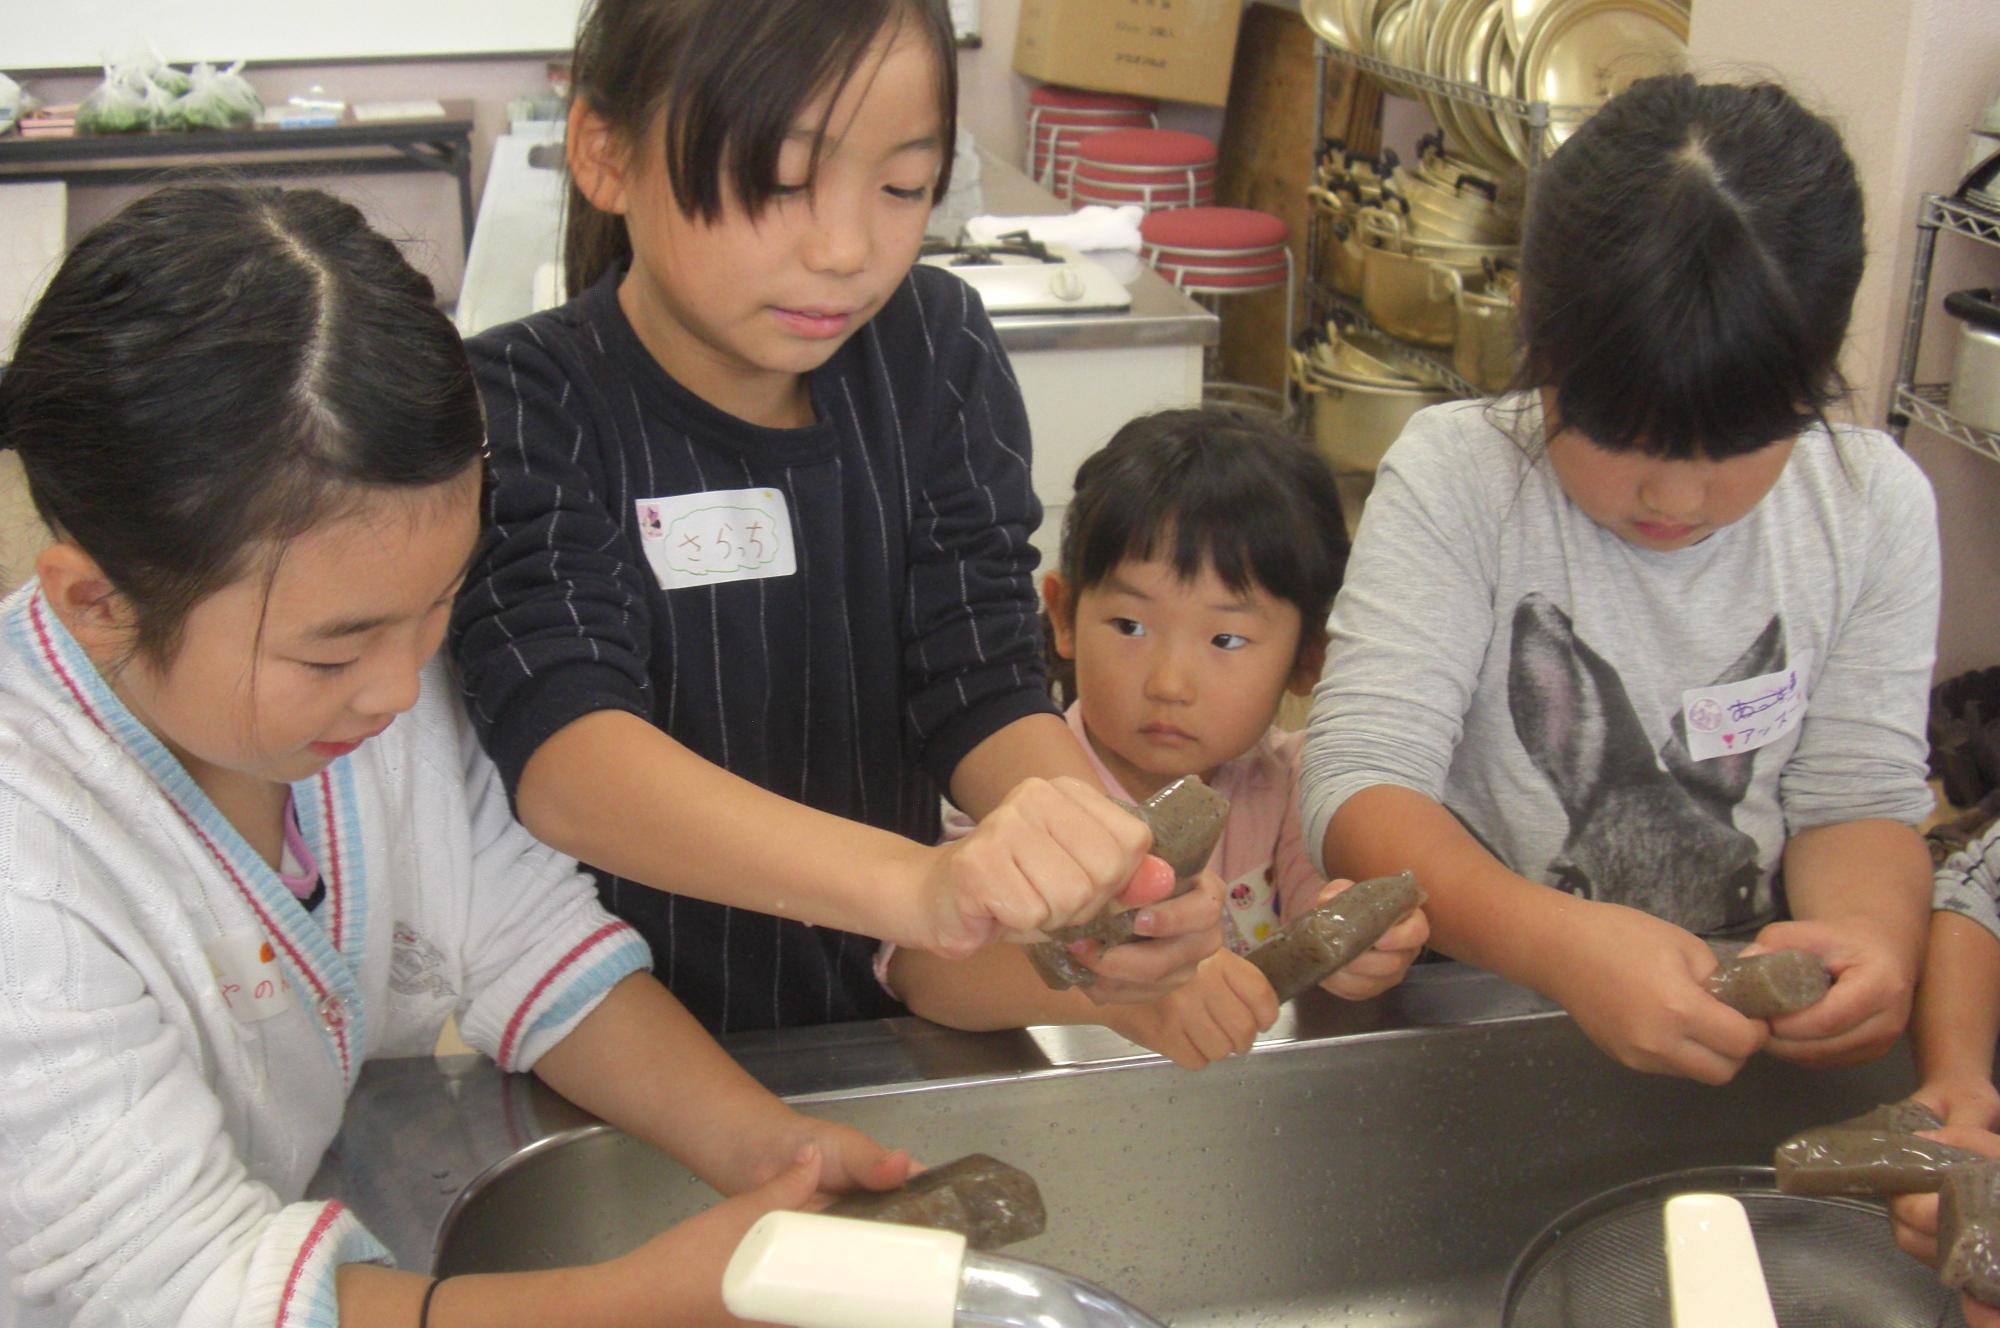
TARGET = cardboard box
x,y
1177,50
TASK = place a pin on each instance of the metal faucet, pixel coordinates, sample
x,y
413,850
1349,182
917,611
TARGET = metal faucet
x,y
809,1270
998,1292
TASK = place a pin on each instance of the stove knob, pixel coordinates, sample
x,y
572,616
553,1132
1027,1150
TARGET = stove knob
x,y
1066,283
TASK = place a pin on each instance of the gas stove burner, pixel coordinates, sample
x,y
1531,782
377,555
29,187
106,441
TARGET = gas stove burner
x,y
1016,275
1014,244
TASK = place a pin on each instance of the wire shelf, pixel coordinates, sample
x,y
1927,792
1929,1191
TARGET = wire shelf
x,y
1417,359
1472,94
1960,217
1923,403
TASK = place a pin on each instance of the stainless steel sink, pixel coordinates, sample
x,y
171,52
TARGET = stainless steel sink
x,y
1372,1165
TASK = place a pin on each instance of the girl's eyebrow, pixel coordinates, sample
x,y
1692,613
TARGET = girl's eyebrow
x,y
922,143
342,627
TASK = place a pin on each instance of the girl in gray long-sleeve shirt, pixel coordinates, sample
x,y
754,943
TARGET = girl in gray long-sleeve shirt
x,y
1650,631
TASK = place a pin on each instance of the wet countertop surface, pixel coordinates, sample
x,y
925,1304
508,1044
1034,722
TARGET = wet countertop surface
x,y
1159,315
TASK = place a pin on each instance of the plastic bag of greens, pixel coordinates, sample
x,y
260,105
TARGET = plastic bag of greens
x,y
122,104
218,100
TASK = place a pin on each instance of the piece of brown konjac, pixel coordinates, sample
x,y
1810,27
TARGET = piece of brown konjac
x,y
1186,818
1906,1116
1767,985
1868,1162
1314,946
988,1202
1969,1230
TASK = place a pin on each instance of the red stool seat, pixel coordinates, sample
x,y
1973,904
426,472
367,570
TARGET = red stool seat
x,y
1054,96
1148,147
1213,228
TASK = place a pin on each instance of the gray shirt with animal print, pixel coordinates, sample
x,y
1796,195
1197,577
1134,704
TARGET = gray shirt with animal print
x,y
1497,650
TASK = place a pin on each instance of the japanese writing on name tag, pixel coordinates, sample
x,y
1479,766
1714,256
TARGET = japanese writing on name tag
x,y
703,539
1742,716
246,969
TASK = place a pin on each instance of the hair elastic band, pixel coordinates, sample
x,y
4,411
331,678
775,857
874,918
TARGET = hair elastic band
x,y
424,1308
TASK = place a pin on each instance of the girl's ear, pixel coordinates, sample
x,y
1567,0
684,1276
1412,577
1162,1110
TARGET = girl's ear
x,y
1062,613
598,161
1312,662
84,600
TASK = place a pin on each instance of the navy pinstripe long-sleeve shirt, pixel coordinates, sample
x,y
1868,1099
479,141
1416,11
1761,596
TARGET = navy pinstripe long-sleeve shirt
x,y
906,634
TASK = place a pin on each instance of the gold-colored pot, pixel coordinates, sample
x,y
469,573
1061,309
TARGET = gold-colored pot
x,y
1486,346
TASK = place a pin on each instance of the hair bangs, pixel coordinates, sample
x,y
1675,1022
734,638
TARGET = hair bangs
x,y
746,74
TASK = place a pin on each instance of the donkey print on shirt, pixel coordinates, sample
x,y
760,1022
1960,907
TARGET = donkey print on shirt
x,y
1658,839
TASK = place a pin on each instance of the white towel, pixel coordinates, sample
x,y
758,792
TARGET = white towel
x,y
1087,228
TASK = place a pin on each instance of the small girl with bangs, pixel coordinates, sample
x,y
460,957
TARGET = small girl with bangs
x,y
1640,654
248,841
759,585
1199,557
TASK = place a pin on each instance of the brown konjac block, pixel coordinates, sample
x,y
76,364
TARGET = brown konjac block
x,y
1186,818
1864,1162
1316,945
1969,1230
985,1200
1768,985
1906,1117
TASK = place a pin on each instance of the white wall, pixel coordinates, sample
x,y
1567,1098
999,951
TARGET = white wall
x,y
1904,79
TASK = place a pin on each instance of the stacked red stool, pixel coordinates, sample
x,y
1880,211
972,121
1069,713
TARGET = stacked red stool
x,y
1153,168
1216,252
1060,119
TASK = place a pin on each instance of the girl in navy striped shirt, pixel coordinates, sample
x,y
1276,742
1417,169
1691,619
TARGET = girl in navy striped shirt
x,y
758,584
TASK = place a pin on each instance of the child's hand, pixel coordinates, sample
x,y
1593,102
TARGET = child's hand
x,y
1217,1014
1386,963
1873,985
1055,853
849,1159
1967,1099
1633,982
1915,1218
1181,934
678,1273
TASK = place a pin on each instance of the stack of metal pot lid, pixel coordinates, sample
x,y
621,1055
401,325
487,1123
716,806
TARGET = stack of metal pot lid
x,y
1360,394
1452,201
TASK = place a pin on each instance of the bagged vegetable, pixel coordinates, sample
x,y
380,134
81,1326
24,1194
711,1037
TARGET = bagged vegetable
x,y
121,104
218,100
10,103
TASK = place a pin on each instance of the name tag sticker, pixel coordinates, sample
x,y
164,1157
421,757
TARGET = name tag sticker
x,y
246,969
1737,717
1252,901
703,539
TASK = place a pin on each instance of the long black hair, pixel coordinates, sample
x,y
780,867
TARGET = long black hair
x,y
1209,488
731,78
217,366
1688,269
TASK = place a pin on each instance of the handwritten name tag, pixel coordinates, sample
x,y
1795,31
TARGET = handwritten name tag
x,y
246,969
704,539
1738,717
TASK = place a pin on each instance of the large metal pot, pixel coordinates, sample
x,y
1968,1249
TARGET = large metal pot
x,y
1355,420
1341,256
1387,229
1486,347
1400,294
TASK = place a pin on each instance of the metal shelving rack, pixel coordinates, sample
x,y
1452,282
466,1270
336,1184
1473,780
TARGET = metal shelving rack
x,y
1924,403
1537,116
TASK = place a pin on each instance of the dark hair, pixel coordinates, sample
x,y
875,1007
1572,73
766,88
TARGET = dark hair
x,y
1688,269
731,78
217,366
1209,487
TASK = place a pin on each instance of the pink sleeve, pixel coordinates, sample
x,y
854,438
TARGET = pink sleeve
x,y
1298,881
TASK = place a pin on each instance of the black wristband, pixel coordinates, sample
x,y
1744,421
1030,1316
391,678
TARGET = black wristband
x,y
424,1308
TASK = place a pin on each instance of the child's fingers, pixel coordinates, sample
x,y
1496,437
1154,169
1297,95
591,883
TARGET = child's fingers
x,y
1249,987
1199,910
1915,1218
1407,936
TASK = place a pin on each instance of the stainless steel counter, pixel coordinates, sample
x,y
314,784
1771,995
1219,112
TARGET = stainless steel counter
x,y
1372,1164
1160,315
